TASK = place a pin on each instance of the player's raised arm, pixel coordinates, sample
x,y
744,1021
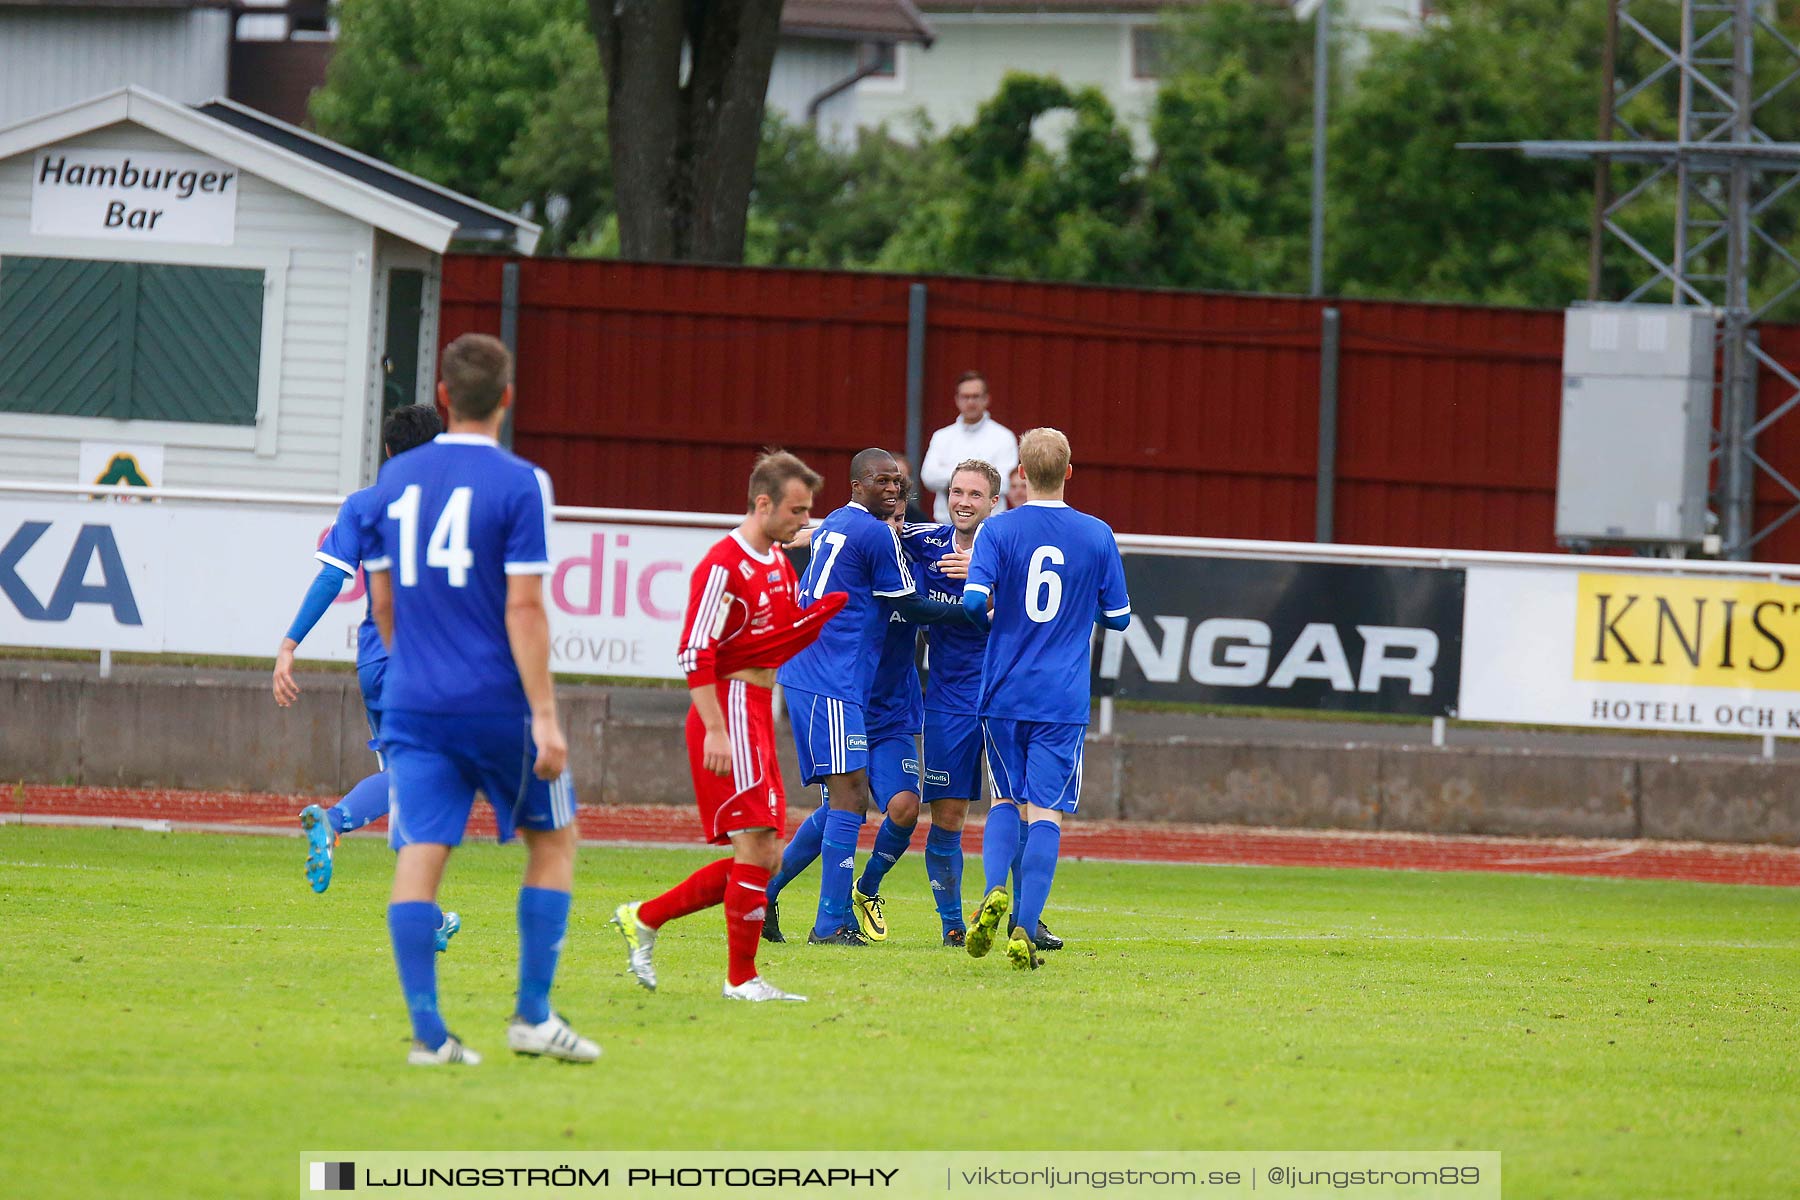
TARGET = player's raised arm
x,y
978,590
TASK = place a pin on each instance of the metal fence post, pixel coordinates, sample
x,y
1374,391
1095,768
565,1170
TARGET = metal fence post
x,y
1325,502
915,374
509,334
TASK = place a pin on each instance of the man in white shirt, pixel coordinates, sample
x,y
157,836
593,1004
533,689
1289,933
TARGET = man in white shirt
x,y
974,435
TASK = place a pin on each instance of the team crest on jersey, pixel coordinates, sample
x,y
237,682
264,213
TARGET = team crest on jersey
x,y
775,576
746,569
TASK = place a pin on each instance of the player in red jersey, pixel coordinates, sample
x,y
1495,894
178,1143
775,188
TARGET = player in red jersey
x,y
743,620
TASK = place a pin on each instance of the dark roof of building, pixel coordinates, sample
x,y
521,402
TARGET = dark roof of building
x,y
158,4
474,222
856,20
1056,6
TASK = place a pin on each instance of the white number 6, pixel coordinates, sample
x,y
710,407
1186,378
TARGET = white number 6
x,y
1040,580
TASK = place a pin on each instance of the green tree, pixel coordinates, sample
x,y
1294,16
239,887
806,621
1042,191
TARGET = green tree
x,y
1014,206
443,88
1413,216
819,205
560,164
1232,126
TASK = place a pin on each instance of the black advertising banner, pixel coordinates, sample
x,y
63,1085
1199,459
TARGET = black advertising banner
x,y
1335,636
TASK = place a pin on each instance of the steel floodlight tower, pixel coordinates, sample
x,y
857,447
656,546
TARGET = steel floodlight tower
x,y
1724,176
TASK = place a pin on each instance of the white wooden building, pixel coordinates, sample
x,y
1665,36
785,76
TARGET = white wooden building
x,y
238,299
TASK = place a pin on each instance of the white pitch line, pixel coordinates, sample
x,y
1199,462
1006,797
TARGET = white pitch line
x,y
1600,856
55,866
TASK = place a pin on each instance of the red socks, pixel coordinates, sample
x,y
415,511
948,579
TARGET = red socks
x,y
746,897
744,891
703,889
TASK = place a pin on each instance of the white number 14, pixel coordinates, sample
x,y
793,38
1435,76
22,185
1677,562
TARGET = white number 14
x,y
449,544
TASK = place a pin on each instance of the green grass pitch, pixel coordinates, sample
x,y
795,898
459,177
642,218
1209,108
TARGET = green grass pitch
x,y
182,1016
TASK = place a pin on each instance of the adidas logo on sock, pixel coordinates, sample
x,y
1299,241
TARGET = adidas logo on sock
x,y
756,914
849,864
937,885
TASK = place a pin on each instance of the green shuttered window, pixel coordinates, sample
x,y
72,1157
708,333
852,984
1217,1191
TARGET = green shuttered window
x,y
138,341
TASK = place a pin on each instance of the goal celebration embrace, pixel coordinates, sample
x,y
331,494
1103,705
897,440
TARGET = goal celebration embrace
x,y
456,679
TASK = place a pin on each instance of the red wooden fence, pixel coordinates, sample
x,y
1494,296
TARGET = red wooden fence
x,y
652,386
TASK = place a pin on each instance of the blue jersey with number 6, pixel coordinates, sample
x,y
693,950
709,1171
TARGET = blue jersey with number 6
x,y
855,553
1051,571
451,521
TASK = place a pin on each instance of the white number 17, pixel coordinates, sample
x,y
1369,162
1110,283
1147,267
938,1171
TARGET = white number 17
x,y
836,542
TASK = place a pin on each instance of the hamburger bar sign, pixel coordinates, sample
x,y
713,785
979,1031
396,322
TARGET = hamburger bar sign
x,y
133,196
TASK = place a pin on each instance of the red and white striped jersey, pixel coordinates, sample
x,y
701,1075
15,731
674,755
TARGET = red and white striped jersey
x,y
744,612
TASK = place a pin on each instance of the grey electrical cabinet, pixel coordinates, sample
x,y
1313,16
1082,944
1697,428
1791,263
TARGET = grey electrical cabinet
x,y
1636,423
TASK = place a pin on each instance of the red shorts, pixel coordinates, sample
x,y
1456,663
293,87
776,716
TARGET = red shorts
x,y
750,795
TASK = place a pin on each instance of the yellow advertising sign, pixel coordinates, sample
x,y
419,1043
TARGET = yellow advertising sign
x,y
1719,633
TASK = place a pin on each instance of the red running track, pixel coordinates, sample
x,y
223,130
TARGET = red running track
x,y
1127,841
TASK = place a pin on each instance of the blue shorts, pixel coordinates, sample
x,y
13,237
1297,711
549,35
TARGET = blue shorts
x,y
893,767
952,756
1035,762
370,677
436,763
828,734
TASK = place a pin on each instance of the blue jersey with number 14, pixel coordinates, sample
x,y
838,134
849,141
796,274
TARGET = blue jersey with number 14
x,y
1051,571
855,553
451,520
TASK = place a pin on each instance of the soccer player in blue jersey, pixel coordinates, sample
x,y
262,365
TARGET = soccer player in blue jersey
x,y
895,716
1048,572
339,555
854,551
456,555
952,726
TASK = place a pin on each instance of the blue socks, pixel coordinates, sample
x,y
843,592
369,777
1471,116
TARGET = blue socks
x,y
543,919
1036,873
891,841
999,843
837,864
1018,859
800,852
413,927
943,866
367,801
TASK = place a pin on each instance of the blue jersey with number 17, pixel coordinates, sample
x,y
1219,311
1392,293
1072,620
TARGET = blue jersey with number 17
x,y
1051,571
450,522
855,553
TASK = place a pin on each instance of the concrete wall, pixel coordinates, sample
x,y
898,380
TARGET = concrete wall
x,y
220,730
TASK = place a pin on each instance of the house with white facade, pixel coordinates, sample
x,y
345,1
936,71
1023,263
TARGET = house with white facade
x,y
231,298
1109,44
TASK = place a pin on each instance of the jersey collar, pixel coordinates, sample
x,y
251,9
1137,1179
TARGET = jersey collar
x,y
751,551
465,439
858,504
1047,503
